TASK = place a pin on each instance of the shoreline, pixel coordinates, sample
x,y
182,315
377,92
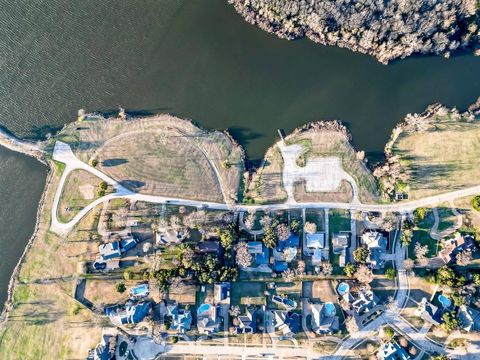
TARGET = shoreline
x,y
28,148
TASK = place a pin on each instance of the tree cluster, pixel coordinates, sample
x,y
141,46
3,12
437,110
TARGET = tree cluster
x,y
385,29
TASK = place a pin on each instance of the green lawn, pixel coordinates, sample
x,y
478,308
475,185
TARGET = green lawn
x,y
447,218
317,217
421,234
243,292
339,220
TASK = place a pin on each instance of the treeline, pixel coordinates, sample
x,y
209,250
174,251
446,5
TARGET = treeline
x,y
385,29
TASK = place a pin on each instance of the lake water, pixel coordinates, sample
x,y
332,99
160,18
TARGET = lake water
x,y
195,59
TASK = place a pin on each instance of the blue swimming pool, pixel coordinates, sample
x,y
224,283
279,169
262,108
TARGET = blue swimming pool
x,y
140,290
330,309
203,308
343,288
445,301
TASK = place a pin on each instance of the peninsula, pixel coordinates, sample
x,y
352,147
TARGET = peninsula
x,y
154,240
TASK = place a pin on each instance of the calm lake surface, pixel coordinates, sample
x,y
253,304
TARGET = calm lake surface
x,y
194,59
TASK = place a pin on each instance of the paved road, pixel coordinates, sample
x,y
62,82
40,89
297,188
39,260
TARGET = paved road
x,y
63,153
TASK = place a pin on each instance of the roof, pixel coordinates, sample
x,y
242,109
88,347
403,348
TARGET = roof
x,y
247,320
127,244
321,321
340,240
181,319
287,321
208,247
110,250
255,247
222,291
430,312
292,241
469,318
316,241
280,266
392,351
129,314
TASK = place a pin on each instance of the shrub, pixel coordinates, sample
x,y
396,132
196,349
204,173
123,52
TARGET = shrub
x,y
360,255
388,332
476,202
120,287
350,269
390,273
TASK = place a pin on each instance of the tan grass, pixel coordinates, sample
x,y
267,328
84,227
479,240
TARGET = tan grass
x,y
342,194
442,158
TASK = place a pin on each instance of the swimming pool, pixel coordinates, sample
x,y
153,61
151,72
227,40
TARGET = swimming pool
x,y
343,288
140,290
330,309
446,302
203,309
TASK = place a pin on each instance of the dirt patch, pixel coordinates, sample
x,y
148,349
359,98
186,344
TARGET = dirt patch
x,y
324,290
342,194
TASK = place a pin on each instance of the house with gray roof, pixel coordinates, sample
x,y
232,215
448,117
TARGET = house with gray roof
x,y
376,243
324,318
469,319
110,251
128,313
247,322
392,351
366,300
429,312
180,318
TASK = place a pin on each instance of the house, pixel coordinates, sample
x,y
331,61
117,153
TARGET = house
x,y
127,243
365,302
429,312
324,318
260,257
316,247
180,318
287,322
340,244
376,243
209,247
285,252
468,318
392,351
169,237
452,246
129,313
285,302
110,251
208,319
247,322
105,350
221,293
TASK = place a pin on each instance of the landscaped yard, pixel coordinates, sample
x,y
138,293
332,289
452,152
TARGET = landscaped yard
x,y
421,234
316,216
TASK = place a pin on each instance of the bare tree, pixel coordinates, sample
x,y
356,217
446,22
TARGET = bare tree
x,y
250,221
288,275
282,231
310,227
327,268
364,274
464,257
420,253
266,221
175,222
300,267
351,325
408,264
243,258
234,310
176,284
147,247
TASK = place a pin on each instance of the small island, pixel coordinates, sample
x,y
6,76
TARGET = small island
x,y
152,236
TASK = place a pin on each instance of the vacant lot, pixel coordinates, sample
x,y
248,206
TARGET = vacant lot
x,y
324,291
245,293
161,155
442,157
267,182
80,189
342,194
329,142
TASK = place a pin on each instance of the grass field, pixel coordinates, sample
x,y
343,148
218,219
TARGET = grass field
x,y
339,220
443,157
45,321
80,189
247,292
161,155
323,143
421,234
267,184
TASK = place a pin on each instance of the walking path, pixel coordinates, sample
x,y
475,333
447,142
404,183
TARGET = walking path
x,y
439,235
